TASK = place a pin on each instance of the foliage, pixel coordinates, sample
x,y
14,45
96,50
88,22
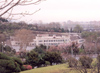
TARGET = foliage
x,y
36,59
22,54
17,60
47,63
3,56
40,49
86,61
7,50
90,36
81,50
78,29
53,57
72,62
10,64
32,58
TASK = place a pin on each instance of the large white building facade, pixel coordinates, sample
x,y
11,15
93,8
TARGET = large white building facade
x,y
47,40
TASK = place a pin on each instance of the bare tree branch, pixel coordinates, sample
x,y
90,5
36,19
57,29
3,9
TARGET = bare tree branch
x,y
7,5
9,8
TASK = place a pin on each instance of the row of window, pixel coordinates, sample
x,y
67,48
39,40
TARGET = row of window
x,y
49,43
52,40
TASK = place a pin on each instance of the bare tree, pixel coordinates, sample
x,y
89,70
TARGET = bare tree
x,y
24,37
6,6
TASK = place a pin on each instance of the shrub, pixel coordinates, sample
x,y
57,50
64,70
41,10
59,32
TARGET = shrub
x,y
47,63
22,68
72,62
86,61
27,67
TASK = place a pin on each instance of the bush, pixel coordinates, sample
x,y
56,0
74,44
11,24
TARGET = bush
x,y
86,61
27,67
22,68
72,62
47,63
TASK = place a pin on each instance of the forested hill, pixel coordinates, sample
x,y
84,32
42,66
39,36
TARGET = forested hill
x,y
10,27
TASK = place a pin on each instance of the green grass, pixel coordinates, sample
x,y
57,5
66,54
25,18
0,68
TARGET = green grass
x,y
62,68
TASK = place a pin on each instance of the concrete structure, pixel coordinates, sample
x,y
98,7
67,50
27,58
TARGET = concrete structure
x,y
48,40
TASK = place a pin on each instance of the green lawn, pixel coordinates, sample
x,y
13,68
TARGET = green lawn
x,y
62,68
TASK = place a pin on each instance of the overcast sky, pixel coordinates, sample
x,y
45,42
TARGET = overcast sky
x,y
64,10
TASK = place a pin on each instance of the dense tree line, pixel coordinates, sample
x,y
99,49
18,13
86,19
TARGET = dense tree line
x,y
35,59
40,57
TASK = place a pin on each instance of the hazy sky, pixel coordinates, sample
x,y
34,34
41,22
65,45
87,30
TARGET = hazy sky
x,y
63,10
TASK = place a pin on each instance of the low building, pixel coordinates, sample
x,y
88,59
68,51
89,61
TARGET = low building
x,y
49,40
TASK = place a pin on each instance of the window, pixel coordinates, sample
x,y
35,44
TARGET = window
x,y
40,40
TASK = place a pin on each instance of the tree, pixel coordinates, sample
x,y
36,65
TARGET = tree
x,y
86,61
6,6
40,49
9,64
32,58
24,37
78,29
53,57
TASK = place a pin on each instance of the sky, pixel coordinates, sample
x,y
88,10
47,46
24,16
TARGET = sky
x,y
63,10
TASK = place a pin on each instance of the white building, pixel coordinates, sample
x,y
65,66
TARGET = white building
x,y
48,40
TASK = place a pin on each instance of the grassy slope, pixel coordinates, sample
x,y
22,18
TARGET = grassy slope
x,y
62,68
